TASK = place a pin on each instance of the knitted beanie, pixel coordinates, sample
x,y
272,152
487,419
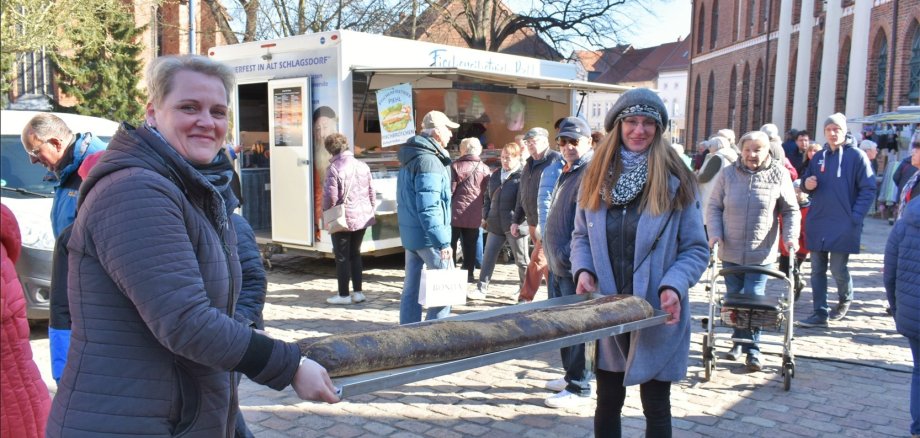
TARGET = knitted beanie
x,y
637,102
837,119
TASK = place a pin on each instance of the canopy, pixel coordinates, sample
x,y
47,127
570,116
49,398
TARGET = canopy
x,y
904,115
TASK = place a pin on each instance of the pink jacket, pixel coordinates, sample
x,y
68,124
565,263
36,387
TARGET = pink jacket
x,y
23,394
347,173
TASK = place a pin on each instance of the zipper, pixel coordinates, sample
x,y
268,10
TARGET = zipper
x,y
622,246
231,425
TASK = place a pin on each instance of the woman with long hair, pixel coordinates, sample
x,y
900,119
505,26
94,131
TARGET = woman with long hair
x,y
639,231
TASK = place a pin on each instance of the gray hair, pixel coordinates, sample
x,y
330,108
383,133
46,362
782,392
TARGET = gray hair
x,y
472,145
429,131
163,69
45,126
754,136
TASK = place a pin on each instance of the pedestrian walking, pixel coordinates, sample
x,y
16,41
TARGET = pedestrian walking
x,y
469,179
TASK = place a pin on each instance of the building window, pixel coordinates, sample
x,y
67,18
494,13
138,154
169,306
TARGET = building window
x,y
745,93
758,96
696,108
700,26
710,100
34,71
732,88
882,67
763,16
714,25
797,12
913,89
750,16
843,77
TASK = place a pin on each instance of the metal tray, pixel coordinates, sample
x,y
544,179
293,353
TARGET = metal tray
x,y
377,380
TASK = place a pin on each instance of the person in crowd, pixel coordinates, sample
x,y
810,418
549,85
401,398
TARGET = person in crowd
x,y
679,148
575,387
721,155
541,156
501,196
468,185
50,142
776,143
699,157
902,285
800,158
596,137
423,208
154,244
743,221
792,150
348,182
888,190
841,185
800,252
639,231
911,189
871,150
907,168
23,394
729,135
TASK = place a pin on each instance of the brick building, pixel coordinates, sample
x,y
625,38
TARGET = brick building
x,y
794,62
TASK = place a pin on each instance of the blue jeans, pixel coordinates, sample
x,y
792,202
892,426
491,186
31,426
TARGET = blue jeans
x,y
915,387
409,309
838,265
746,284
577,377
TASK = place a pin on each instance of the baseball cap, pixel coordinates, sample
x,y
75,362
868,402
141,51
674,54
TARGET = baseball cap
x,y
436,119
574,128
536,132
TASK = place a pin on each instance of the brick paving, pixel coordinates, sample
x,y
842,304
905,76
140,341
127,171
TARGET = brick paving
x,y
851,379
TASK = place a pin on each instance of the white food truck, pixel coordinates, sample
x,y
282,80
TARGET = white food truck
x,y
292,92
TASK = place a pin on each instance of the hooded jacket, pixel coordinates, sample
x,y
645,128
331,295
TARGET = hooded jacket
x,y
423,194
153,278
64,208
469,182
712,165
347,173
846,189
23,394
902,271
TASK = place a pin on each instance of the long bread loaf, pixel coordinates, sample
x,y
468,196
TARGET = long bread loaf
x,y
437,341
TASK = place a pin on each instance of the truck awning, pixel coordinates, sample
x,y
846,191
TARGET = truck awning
x,y
509,80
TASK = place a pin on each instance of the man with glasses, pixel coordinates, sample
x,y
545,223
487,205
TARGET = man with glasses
x,y
575,136
50,142
537,142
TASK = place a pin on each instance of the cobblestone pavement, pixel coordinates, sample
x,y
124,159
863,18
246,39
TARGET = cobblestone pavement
x,y
851,379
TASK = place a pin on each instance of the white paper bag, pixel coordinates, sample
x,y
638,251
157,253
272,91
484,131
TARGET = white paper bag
x,y
442,287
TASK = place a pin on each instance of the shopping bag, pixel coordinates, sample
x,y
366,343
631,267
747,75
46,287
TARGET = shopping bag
x,y
334,219
442,287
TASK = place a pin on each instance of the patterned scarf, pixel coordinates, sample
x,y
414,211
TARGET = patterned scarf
x,y
631,181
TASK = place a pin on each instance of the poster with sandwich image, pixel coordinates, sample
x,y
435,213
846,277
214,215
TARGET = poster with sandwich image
x,y
394,107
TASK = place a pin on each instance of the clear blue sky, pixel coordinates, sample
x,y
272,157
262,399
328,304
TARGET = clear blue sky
x,y
671,20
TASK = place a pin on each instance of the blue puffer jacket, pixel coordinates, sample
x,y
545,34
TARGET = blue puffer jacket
x,y
64,208
423,188
560,221
846,190
902,271
545,192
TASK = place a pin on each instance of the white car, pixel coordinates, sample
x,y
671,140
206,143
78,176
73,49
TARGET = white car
x,y
28,190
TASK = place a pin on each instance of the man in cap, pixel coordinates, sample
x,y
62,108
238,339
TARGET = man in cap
x,y
840,182
537,142
575,136
423,210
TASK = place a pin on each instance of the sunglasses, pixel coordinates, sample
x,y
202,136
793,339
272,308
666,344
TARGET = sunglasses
x,y
568,141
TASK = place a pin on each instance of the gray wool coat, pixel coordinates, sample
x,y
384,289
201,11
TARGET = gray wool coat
x,y
678,261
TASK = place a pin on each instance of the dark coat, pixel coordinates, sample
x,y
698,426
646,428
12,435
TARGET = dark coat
x,y
500,199
902,271
252,293
527,206
560,221
153,278
469,180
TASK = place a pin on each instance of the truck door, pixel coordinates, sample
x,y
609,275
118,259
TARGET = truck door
x,y
291,160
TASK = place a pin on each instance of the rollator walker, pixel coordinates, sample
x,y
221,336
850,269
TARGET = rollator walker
x,y
748,311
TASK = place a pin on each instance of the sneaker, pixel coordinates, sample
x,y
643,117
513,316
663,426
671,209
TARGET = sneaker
x,y
557,385
838,313
565,399
813,321
358,297
522,300
753,363
477,294
338,299
734,353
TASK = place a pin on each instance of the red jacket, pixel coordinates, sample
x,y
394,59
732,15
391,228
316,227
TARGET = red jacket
x,y
23,395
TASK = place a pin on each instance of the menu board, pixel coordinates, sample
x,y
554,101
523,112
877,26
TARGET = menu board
x,y
288,110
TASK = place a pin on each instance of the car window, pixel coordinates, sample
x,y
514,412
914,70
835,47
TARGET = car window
x,y
17,171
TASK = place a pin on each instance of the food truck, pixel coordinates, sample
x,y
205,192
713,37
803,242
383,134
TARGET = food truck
x,y
293,92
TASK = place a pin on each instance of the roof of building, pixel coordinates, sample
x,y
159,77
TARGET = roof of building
x,y
626,64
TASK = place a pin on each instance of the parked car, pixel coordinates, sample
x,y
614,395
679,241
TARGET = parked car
x,y
28,189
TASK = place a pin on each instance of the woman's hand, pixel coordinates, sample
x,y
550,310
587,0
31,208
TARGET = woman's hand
x,y
670,303
585,284
311,382
514,230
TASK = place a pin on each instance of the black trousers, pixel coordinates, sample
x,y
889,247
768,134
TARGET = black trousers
x,y
346,247
611,394
468,238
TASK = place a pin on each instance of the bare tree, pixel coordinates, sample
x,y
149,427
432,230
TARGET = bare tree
x,y
282,18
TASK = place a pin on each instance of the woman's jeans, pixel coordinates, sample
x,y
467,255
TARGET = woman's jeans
x,y
611,394
747,284
346,247
577,374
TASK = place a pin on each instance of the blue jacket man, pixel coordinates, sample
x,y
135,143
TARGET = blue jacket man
x,y
842,187
423,210
50,142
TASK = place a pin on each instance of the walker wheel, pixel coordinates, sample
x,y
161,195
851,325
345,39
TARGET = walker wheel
x,y
788,374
